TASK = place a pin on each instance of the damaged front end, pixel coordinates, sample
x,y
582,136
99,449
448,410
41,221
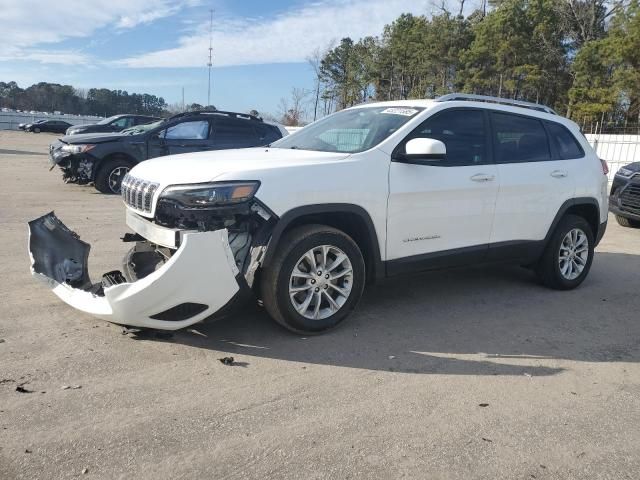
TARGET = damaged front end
x,y
74,161
189,284
186,263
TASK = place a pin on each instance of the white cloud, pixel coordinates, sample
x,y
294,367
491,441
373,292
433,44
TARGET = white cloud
x,y
29,25
288,37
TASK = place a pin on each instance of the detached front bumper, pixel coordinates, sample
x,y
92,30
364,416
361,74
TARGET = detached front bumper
x,y
194,283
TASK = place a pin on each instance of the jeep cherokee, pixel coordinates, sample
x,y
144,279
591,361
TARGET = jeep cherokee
x,y
369,192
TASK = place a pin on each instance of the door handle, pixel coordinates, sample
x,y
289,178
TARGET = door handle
x,y
559,174
482,177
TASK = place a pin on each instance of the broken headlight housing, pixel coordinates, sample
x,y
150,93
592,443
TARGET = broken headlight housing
x,y
210,195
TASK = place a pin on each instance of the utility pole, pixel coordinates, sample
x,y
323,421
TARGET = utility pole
x,y
210,64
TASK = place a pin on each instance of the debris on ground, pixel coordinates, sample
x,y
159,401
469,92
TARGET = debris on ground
x,y
26,450
487,440
527,375
72,387
391,357
21,389
483,404
226,360
1,340
6,380
85,471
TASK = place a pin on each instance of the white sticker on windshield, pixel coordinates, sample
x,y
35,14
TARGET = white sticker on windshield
x,y
407,112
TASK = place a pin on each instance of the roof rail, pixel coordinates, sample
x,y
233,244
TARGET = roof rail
x,y
503,101
245,116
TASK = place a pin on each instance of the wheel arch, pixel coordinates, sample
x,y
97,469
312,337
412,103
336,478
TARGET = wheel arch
x,y
585,207
352,219
99,165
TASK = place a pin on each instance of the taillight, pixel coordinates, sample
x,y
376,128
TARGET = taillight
x,y
605,167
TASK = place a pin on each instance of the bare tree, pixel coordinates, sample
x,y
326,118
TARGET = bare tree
x,y
314,60
292,111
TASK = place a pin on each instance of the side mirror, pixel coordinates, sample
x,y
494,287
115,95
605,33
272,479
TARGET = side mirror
x,y
418,150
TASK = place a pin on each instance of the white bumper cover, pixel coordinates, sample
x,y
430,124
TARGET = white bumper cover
x,y
202,271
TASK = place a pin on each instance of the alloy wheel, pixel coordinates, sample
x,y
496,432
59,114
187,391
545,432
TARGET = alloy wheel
x,y
115,178
574,254
321,282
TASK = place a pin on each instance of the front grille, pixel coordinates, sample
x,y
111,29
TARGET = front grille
x,y
138,193
630,198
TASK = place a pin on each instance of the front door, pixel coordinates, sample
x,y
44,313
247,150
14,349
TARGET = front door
x,y
444,207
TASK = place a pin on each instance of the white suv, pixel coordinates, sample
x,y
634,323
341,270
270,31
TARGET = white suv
x,y
369,192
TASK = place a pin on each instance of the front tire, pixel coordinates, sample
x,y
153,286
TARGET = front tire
x,y
315,279
568,256
627,222
109,177
36,130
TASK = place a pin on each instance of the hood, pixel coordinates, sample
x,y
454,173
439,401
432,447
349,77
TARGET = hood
x,y
93,138
634,167
94,127
243,164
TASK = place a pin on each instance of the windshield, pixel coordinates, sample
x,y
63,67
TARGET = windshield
x,y
141,128
107,120
350,131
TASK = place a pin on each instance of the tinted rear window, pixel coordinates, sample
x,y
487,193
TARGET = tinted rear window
x,y
519,139
231,132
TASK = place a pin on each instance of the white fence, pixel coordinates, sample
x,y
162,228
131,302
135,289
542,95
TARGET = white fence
x,y
617,149
10,120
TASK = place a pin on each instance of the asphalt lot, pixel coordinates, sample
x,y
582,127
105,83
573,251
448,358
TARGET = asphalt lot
x,y
395,393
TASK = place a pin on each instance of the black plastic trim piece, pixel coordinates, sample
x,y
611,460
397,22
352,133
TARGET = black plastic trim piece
x,y
517,251
180,312
572,202
295,213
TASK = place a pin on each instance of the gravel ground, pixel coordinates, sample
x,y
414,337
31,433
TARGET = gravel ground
x,y
473,373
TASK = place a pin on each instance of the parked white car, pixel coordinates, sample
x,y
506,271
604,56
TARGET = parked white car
x,y
369,192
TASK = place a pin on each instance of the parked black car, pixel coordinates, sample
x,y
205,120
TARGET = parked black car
x,y
112,124
22,126
105,158
624,201
54,126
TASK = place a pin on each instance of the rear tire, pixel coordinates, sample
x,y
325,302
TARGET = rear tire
x,y
315,279
627,222
567,258
110,175
36,130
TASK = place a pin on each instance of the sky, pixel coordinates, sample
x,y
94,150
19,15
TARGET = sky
x,y
161,46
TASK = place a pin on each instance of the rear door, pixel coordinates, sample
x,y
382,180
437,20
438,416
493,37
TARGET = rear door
x,y
183,137
534,181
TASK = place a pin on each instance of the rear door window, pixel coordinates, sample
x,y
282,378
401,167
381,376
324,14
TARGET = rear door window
x,y
519,139
564,142
234,133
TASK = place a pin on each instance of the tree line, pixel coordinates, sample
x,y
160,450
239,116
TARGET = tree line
x,y
51,97
581,57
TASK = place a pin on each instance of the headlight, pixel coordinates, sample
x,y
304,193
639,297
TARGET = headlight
x,y
77,148
208,195
625,172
